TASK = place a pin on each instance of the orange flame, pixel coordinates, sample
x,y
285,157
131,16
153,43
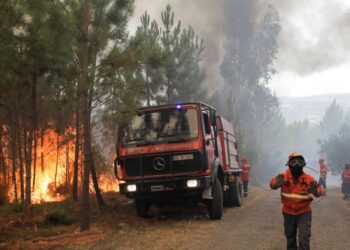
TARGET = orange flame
x,y
54,170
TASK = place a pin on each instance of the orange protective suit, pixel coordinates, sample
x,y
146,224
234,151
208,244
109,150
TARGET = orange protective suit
x,y
346,175
323,169
295,194
245,170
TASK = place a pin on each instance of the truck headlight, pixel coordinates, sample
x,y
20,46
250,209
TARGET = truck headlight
x,y
131,187
192,183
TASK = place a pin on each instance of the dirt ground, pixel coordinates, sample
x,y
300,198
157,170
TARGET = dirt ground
x,y
256,225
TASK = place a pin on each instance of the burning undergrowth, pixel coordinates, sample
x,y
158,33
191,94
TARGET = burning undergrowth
x,y
52,169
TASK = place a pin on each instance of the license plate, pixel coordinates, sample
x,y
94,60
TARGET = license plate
x,y
157,188
183,157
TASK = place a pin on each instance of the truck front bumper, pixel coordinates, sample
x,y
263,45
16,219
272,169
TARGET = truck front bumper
x,y
165,188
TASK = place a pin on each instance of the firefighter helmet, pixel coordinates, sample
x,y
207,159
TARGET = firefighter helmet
x,y
296,155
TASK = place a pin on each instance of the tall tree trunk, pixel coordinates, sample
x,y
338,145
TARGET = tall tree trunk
x,y
32,128
13,151
85,205
25,136
99,198
20,157
76,152
2,159
67,162
148,88
35,156
42,137
57,156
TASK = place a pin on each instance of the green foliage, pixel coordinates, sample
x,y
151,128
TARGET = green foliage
x,y
332,120
168,59
60,217
10,208
334,137
337,148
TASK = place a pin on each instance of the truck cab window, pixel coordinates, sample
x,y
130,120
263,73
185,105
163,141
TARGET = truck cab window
x,y
206,124
164,126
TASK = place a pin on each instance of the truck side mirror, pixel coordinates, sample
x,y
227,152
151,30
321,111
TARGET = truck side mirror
x,y
115,167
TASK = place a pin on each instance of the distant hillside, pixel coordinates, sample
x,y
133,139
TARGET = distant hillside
x,y
310,107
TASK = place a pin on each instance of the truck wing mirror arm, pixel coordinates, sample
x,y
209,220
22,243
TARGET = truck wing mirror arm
x,y
116,160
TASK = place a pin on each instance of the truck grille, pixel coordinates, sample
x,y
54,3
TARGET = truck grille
x,y
153,165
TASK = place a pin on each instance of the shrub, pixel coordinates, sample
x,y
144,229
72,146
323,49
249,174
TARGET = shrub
x,y
60,217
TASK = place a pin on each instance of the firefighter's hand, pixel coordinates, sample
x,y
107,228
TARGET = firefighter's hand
x,y
279,180
313,188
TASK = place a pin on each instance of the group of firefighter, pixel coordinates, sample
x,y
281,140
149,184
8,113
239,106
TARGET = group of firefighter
x,y
297,189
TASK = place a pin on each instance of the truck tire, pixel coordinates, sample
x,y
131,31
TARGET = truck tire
x,y
215,205
142,207
228,197
237,192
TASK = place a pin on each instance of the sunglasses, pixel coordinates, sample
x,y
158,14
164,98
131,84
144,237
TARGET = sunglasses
x,y
296,162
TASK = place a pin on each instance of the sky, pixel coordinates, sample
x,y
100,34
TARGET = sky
x,y
314,43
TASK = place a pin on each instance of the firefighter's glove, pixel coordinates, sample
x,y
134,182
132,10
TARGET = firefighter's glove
x,y
313,188
279,181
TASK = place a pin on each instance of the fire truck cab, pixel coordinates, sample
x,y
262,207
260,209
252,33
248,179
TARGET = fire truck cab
x,y
179,150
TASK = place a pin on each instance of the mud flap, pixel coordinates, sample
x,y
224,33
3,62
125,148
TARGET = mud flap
x,y
207,194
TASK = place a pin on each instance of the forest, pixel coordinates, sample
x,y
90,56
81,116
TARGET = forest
x,y
71,73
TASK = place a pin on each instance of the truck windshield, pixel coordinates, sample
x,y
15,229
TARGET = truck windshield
x,y
167,126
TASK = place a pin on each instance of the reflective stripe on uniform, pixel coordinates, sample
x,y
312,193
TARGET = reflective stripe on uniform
x,y
297,196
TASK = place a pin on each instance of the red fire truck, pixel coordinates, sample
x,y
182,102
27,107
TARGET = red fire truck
x,y
179,151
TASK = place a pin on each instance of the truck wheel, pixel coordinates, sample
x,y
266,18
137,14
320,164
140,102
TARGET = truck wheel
x,y
228,197
237,192
215,205
142,207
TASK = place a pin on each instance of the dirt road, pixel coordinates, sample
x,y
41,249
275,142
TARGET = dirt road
x,y
256,225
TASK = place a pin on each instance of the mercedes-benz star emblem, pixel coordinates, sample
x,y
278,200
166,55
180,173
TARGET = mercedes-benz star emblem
x,y
159,163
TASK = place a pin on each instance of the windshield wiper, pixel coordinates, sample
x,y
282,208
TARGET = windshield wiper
x,y
176,139
144,142
139,142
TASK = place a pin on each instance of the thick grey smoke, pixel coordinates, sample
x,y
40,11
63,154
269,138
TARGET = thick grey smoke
x,y
315,34
205,16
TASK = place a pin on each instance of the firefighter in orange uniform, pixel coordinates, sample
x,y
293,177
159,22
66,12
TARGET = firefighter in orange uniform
x,y
345,176
296,189
245,175
323,173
